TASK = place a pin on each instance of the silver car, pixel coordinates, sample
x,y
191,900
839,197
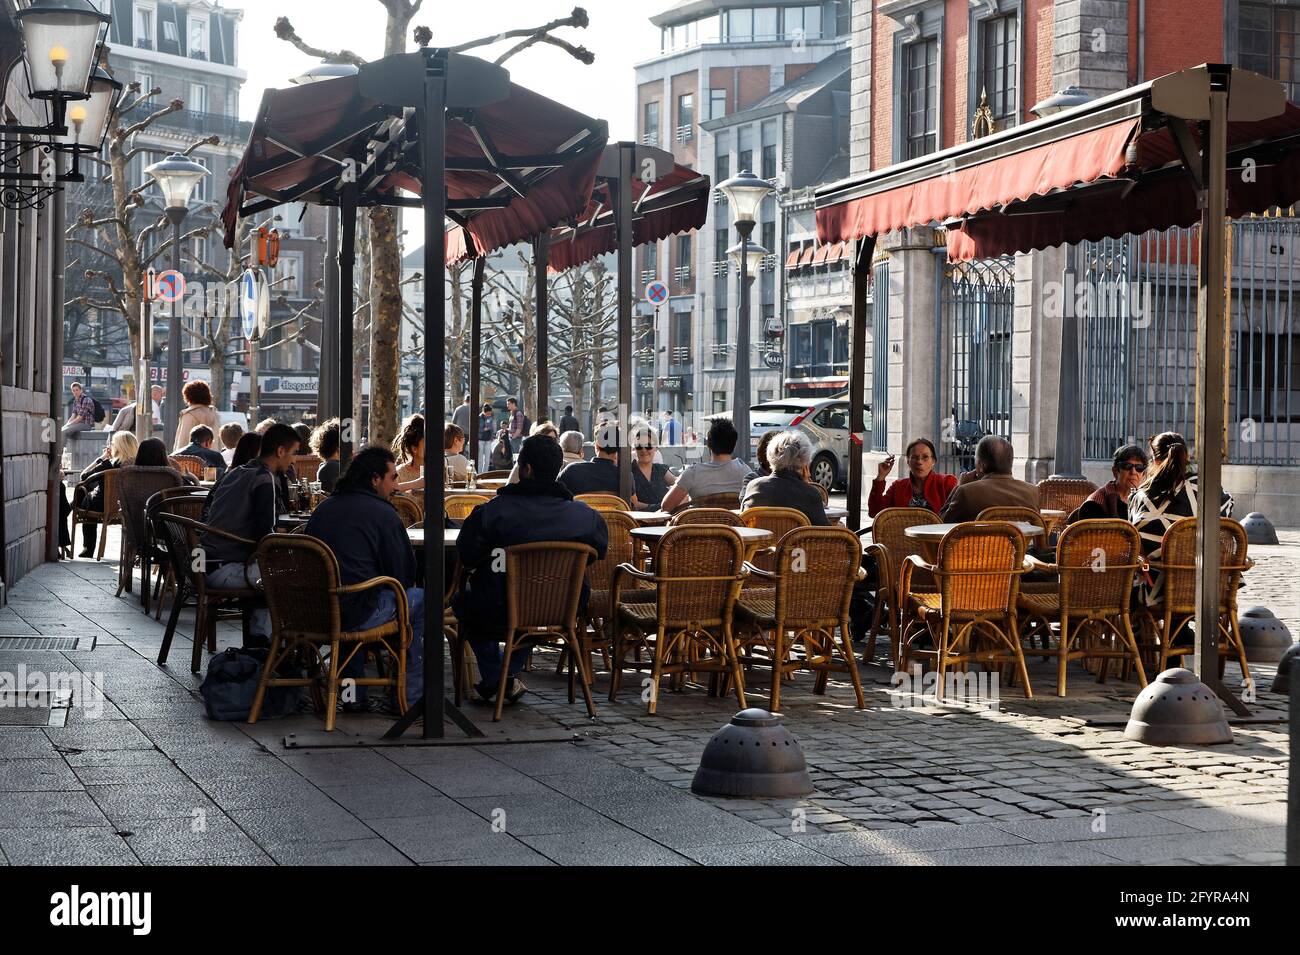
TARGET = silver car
x,y
824,420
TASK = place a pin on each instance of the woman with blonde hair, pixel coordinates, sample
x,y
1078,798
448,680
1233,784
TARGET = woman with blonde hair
x,y
1167,494
453,443
118,453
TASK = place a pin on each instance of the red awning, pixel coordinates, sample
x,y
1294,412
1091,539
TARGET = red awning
x,y
807,257
820,257
304,135
835,252
792,259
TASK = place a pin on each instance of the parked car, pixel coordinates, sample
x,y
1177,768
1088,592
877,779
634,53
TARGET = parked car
x,y
824,420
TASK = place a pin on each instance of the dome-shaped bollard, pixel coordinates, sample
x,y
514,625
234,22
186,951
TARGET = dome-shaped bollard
x,y
754,756
1259,529
1177,709
1264,637
1285,667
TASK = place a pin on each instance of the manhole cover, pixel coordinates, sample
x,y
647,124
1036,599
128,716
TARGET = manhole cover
x,y
34,709
46,643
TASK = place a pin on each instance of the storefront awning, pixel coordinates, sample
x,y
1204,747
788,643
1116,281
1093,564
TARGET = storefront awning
x,y
807,257
835,252
1110,167
792,260
514,168
819,258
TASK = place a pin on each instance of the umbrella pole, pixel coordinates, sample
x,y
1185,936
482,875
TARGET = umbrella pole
x,y
858,376
1211,367
541,262
626,157
347,262
475,359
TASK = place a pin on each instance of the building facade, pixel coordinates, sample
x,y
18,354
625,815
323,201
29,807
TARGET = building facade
x,y
962,350
720,59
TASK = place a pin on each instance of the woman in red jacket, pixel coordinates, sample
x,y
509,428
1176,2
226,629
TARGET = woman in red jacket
x,y
923,487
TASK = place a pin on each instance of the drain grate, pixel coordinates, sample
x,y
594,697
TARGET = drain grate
x,y
34,708
45,643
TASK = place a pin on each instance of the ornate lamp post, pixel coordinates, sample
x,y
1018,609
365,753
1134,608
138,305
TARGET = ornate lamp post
x,y
745,194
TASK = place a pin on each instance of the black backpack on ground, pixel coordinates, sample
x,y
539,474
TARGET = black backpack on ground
x,y
231,683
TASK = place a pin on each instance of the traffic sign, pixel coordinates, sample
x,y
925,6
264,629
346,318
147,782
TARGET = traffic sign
x,y
254,303
169,286
656,293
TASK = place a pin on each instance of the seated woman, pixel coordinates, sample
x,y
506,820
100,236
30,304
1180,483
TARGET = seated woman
x,y
1111,499
1165,496
790,483
453,442
326,443
650,481
923,487
89,495
502,456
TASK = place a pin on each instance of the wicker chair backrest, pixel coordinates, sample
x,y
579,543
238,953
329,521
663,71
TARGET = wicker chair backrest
x,y
544,583
1012,513
300,575
977,564
1178,555
696,569
603,502
1064,494
458,506
706,515
818,567
780,521
1098,560
622,550
135,485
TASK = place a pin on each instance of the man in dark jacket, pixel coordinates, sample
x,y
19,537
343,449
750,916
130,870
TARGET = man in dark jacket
x,y
244,505
568,422
599,475
200,446
538,508
360,525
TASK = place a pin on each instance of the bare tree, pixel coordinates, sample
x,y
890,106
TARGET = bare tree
x,y
583,316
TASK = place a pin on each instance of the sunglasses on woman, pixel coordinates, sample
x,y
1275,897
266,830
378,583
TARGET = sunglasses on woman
x,y
1130,466
644,447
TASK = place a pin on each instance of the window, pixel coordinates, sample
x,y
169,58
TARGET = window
x,y
720,326
198,101
764,396
1268,41
145,80
169,31
144,27
198,38
998,68
681,339
920,96
765,24
740,26
721,242
721,168
685,117
745,160
683,273
650,128
719,402
289,268
804,23
717,104
768,238
769,162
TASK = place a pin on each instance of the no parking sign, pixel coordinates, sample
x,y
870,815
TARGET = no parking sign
x,y
656,293
169,286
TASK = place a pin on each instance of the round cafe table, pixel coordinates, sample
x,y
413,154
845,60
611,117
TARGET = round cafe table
x,y
752,537
1051,514
650,518
449,536
931,534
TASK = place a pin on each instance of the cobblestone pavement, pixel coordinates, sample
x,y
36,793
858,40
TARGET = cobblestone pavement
x,y
1043,781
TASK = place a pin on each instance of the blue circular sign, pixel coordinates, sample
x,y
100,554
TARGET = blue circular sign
x,y
656,293
248,302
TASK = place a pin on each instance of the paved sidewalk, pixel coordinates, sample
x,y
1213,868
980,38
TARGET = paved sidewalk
x,y
151,780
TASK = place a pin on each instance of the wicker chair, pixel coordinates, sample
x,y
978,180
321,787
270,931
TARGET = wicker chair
x,y
110,515
698,574
1063,494
890,547
1170,618
305,466
728,502
300,576
135,485
978,571
408,509
457,507
780,521
1096,561
816,570
706,515
603,502
181,537
826,495
189,464
1026,515
543,588
623,549
185,501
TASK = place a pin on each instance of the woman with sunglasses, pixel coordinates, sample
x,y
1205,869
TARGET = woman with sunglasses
x,y
650,481
1111,499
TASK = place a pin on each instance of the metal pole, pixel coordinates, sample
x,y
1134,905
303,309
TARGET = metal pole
x,y
858,374
433,130
475,358
347,260
541,262
174,368
144,387
58,224
326,390
1069,428
740,412
1211,366
626,161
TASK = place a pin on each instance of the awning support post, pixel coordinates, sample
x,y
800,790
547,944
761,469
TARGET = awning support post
x,y
475,359
626,160
347,262
541,262
327,390
1211,367
1069,398
858,374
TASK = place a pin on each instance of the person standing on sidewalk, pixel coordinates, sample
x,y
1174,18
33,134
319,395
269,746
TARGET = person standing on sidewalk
x,y
518,422
487,433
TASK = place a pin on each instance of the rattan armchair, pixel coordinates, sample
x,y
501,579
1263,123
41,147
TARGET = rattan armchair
x,y
1063,494
543,590
494,476
978,573
603,502
705,515
815,570
189,464
1096,561
698,574
135,485
595,634
1024,515
305,466
780,521
408,508
182,539
301,579
890,546
1169,620
457,507
185,501
110,515
728,502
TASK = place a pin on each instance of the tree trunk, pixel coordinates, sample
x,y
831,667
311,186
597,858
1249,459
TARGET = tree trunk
x,y
386,326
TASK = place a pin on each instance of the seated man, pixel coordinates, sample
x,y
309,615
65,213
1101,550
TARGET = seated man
x,y
721,474
790,454
599,475
989,485
200,446
230,434
538,508
359,524
326,444
244,505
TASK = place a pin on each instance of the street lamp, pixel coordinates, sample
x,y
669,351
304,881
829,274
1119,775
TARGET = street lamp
x,y
176,176
745,193
324,70
88,119
61,40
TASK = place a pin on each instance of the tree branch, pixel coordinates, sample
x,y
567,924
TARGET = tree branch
x,y
285,31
